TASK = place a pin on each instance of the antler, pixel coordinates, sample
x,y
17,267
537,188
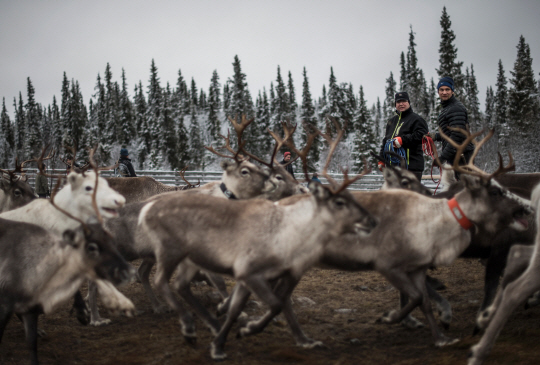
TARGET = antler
x,y
227,146
182,175
470,168
333,143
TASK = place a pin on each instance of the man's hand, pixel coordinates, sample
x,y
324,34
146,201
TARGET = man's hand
x,y
431,135
380,165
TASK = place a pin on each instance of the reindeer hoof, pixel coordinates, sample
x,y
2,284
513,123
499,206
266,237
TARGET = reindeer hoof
x,y
100,322
217,354
446,341
387,317
311,344
41,333
412,323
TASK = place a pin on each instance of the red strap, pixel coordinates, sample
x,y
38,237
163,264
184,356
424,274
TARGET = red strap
x,y
458,214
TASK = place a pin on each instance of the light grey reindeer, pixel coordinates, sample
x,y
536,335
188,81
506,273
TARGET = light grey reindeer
x,y
241,179
424,233
519,282
255,241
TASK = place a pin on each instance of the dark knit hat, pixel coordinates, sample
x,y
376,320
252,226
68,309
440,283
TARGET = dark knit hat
x,y
446,81
124,152
402,95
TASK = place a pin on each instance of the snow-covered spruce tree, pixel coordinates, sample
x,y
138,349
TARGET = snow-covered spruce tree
x,y
292,100
309,125
196,145
403,76
34,142
46,127
280,104
214,104
471,101
112,109
448,64
266,141
127,130
153,113
378,121
56,131
492,146
523,111
364,136
144,140
178,116
500,118
78,120
203,103
239,100
170,145
7,141
20,128
193,96
335,107
389,108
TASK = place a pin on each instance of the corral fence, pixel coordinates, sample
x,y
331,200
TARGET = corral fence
x,y
372,181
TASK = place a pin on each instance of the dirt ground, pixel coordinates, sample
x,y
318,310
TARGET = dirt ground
x,y
343,313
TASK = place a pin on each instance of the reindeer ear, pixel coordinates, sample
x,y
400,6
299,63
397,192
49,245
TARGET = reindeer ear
x,y
319,191
74,180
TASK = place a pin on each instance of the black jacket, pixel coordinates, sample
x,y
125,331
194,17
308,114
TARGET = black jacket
x,y
412,128
289,167
453,115
126,162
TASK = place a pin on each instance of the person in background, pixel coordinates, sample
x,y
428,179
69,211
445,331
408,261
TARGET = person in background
x,y
285,161
315,177
452,115
125,168
406,130
42,185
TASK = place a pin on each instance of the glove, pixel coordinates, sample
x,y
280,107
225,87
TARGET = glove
x,y
380,165
397,142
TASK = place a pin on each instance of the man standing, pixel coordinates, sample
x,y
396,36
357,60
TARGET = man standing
x,y
452,115
286,161
125,168
406,130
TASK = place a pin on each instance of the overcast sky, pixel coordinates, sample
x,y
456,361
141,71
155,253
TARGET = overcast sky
x,y
362,40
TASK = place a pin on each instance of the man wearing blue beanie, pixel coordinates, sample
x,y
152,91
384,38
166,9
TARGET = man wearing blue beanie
x,y
452,115
125,168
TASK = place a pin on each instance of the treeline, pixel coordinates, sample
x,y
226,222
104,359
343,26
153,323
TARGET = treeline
x,y
167,126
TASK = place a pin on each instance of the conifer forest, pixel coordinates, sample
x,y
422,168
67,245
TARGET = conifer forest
x,y
167,126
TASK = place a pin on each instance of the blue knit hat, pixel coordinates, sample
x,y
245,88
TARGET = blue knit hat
x,y
446,81
124,152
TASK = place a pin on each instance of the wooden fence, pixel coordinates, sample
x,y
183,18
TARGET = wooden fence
x,y
371,181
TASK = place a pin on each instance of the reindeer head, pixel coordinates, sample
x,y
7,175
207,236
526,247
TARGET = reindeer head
x,y
99,254
16,193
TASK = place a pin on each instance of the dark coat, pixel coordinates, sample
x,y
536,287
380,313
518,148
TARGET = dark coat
x,y
126,162
288,167
412,128
453,115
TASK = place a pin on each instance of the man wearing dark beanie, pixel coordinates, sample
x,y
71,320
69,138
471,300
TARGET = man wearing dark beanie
x,y
452,115
406,130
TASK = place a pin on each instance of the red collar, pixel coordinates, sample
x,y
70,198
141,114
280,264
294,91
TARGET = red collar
x,y
458,214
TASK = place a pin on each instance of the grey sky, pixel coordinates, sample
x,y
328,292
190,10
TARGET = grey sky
x,y
361,40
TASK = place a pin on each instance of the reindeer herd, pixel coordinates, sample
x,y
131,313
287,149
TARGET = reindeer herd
x,y
264,229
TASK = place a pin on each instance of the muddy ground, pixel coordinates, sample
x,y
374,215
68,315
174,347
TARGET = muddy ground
x,y
346,306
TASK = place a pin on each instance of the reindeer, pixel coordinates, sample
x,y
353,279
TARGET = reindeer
x,y
241,180
40,270
14,191
86,198
519,282
493,248
414,233
141,188
255,241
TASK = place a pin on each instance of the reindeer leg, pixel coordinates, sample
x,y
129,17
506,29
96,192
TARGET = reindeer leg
x,y
81,308
443,306
400,280
5,316
95,318
217,282
185,274
239,297
513,294
144,275
409,321
164,270
273,298
30,327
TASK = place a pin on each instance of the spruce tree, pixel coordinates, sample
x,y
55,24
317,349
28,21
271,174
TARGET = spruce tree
x,y
6,137
309,124
20,128
471,101
34,141
144,140
364,137
167,124
448,64
280,104
214,103
390,92
196,146
153,115
334,108
501,100
403,76
127,131
65,117
522,96
263,124
292,100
